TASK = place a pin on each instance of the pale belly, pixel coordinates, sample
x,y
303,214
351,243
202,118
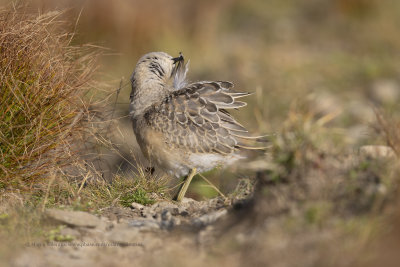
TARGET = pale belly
x,y
202,162
177,161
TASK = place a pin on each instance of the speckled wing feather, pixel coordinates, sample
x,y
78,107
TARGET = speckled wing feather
x,y
196,118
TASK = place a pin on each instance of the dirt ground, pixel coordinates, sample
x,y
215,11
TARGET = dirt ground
x,y
316,219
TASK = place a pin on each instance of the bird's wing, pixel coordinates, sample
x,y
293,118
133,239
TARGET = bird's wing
x,y
196,118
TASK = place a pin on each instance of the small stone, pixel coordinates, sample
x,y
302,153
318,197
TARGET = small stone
x,y
166,215
183,211
210,218
165,205
73,218
168,221
186,200
144,224
373,151
189,204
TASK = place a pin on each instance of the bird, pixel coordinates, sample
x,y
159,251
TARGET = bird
x,y
184,128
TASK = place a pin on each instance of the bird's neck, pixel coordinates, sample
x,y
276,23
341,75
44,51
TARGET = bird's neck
x,y
145,95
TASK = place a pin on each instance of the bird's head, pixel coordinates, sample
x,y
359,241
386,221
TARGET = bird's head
x,y
159,68
156,74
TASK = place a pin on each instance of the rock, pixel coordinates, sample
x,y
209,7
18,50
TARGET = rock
x,y
374,151
174,209
144,224
208,219
164,205
166,215
187,200
183,211
168,221
73,218
218,203
123,235
188,205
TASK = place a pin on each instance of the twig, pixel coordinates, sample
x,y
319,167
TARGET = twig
x,y
48,190
83,183
212,185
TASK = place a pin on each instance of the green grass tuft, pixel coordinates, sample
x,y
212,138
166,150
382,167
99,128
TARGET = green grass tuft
x,y
138,196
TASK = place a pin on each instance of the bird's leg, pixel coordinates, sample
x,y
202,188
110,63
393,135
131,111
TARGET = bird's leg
x,y
185,185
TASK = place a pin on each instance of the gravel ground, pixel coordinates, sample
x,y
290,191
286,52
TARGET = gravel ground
x,y
122,236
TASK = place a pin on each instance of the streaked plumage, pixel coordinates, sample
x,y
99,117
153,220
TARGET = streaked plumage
x,y
182,126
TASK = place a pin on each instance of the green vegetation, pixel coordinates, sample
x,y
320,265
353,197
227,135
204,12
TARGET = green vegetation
x,y
93,196
138,196
55,235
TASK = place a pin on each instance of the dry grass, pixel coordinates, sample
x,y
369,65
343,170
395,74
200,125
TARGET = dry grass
x,y
389,128
93,196
43,80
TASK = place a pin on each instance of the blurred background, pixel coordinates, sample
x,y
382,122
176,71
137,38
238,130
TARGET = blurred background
x,y
319,57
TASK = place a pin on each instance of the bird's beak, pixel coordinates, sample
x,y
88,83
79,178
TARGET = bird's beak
x,y
179,63
178,59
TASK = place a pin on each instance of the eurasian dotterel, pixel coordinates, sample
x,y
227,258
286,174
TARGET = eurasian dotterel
x,y
184,128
